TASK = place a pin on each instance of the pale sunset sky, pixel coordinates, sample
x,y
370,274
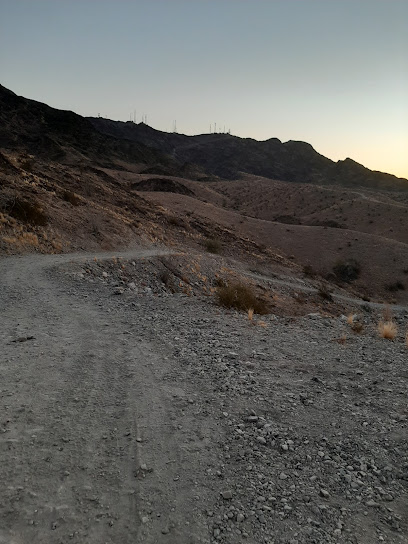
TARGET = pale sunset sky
x,y
333,73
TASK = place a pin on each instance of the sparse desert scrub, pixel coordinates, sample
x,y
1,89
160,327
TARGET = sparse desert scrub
x,y
387,314
22,239
71,197
309,271
342,340
168,280
395,286
175,221
213,245
347,270
324,292
357,327
30,212
387,329
241,297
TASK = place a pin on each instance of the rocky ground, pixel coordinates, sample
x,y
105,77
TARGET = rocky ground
x,y
276,430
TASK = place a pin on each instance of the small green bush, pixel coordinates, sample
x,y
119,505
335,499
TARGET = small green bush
x,y
241,297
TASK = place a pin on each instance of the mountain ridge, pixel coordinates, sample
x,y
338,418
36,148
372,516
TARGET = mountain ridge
x,y
229,156
43,130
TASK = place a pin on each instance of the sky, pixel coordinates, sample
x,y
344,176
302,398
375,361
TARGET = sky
x,y
333,73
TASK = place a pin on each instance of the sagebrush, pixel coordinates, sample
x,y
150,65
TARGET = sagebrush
x,y
241,297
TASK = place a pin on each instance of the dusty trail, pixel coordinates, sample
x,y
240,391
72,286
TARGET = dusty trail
x,y
159,418
86,423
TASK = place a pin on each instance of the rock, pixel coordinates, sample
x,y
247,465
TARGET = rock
x,y
372,503
261,439
227,494
324,493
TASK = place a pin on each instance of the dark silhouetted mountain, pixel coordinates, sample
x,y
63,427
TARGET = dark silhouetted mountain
x,y
229,156
64,136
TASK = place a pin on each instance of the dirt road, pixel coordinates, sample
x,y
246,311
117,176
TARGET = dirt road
x,y
86,421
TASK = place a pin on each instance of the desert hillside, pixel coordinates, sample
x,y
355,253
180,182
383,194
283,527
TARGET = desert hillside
x,y
70,183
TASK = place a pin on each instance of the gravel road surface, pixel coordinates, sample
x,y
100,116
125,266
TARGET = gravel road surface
x,y
137,415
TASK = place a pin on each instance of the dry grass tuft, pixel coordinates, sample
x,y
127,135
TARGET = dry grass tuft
x,y
387,329
350,319
250,314
387,314
22,239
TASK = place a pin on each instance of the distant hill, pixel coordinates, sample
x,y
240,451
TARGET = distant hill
x,y
228,157
64,136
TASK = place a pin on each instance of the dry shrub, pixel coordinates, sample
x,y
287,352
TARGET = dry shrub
x,y
347,271
71,197
387,329
357,327
22,239
309,271
10,240
27,164
175,221
212,245
342,340
324,292
29,212
57,245
241,297
167,279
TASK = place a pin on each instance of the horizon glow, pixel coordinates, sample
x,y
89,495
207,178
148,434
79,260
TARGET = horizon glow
x,y
333,74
